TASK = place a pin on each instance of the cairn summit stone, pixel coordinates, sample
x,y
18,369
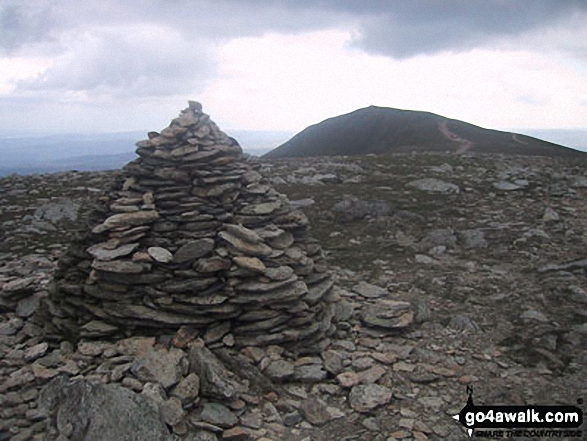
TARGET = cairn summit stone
x,y
193,235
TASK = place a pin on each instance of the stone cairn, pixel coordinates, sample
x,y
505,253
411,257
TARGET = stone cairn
x,y
195,238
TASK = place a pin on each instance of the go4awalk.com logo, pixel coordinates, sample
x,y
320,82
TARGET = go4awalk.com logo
x,y
520,421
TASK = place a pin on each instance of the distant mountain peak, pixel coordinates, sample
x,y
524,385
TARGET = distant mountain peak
x,y
377,129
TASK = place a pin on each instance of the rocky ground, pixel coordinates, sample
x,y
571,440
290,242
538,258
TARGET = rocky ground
x,y
489,251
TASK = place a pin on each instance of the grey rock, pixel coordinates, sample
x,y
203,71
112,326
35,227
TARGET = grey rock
x,y
332,361
127,220
550,215
172,411
200,435
315,411
119,266
463,323
369,291
160,254
311,373
219,415
506,186
390,314
36,351
216,381
159,365
11,326
250,248
532,314
577,294
433,185
353,208
188,389
28,306
105,251
194,250
441,236
94,412
56,211
155,392
280,370
473,239
366,397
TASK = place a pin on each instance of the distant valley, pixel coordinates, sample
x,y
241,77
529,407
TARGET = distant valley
x,y
25,155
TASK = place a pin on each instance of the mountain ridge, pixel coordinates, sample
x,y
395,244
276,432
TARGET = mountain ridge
x,y
384,130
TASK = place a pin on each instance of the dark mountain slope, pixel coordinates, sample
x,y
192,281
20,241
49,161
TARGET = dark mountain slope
x,y
382,130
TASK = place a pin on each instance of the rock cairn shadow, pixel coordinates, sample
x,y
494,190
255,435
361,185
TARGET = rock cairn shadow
x,y
194,238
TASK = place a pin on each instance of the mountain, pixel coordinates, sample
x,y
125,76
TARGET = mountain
x,y
382,130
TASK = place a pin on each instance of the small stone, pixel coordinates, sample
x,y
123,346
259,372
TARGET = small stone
x,y
92,348
332,361
127,219
506,186
171,411
102,251
253,353
252,419
312,373
135,346
236,434
315,411
280,370
36,351
369,291
532,314
11,327
155,392
434,185
132,383
250,263
184,336
194,250
43,373
160,254
159,365
219,415
348,379
372,374
188,389
365,397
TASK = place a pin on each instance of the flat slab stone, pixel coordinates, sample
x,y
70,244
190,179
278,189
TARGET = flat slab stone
x,y
194,250
250,263
369,291
127,219
119,266
160,254
102,251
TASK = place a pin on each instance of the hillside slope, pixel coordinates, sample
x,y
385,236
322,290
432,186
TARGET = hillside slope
x,y
382,129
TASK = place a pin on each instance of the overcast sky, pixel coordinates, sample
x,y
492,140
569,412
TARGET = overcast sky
x,y
108,65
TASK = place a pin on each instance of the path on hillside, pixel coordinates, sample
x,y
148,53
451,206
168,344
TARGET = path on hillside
x,y
465,144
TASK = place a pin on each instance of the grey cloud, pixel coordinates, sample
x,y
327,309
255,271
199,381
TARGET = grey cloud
x,y
400,28
136,61
406,29
23,23
97,45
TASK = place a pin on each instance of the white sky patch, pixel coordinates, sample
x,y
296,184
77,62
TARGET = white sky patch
x,y
287,82
13,70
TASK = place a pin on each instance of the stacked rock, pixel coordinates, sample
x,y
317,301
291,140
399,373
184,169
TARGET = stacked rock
x,y
196,237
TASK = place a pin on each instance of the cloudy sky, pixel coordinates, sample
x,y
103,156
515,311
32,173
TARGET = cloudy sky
x,y
114,65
